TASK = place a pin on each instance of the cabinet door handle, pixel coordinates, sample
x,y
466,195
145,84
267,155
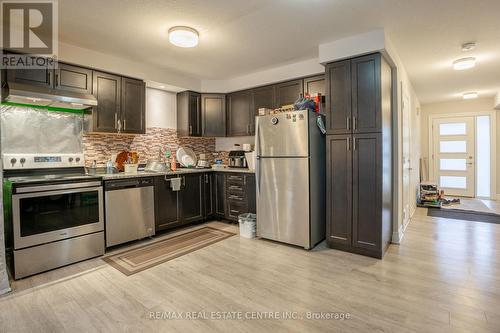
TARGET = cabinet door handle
x,y
348,121
348,144
190,129
57,79
116,120
353,143
119,126
354,123
206,179
124,124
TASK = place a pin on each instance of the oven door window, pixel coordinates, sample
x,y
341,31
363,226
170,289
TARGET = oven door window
x,y
43,214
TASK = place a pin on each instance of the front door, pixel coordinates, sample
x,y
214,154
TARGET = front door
x,y
454,155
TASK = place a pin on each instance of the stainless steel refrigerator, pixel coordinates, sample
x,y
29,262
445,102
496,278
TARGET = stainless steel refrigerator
x,y
290,178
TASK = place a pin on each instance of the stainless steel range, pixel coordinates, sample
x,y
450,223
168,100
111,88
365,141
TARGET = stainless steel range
x,y
57,211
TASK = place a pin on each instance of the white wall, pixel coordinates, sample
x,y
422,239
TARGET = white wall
x,y
372,41
161,108
110,63
461,106
225,144
263,77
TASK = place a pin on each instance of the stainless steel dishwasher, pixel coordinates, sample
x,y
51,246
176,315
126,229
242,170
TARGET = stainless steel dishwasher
x,y
129,210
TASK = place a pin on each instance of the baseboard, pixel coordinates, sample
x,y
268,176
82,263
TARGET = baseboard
x,y
397,236
5,291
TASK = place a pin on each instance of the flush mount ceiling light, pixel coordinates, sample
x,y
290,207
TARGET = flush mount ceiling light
x,y
464,63
470,95
183,36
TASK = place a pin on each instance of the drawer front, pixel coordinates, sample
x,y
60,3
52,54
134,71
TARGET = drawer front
x,y
234,209
235,188
235,179
236,197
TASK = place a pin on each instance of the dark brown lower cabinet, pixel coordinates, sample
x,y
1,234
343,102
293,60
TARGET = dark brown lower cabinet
x,y
358,187
209,195
167,212
191,196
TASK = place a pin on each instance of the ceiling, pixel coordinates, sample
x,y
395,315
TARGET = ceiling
x,y
242,36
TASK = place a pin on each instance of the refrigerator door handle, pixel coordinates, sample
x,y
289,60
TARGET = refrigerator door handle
x,y
257,175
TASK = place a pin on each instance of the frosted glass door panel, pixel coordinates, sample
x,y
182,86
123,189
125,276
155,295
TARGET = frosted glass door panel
x,y
453,129
452,146
453,164
453,182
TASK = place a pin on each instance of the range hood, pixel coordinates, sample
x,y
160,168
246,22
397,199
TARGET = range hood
x,y
26,94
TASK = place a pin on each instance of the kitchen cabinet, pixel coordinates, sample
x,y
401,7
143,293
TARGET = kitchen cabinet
x,y
367,191
167,212
35,77
288,92
264,97
240,113
354,95
315,85
120,104
133,106
359,163
366,94
209,197
107,91
220,195
189,113
339,189
338,99
191,197
73,78
240,195
213,115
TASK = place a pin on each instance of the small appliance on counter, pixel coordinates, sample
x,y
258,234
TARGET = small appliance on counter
x,y
237,159
203,163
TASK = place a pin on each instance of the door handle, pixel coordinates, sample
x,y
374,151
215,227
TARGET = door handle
x,y
190,130
353,144
124,124
348,121
354,123
116,120
348,144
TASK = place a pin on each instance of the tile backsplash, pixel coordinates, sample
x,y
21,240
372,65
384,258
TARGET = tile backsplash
x,y
100,147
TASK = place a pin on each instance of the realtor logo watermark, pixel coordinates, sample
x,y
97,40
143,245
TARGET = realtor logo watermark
x,y
29,35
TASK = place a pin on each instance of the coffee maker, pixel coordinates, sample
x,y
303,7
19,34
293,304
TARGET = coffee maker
x,y
237,159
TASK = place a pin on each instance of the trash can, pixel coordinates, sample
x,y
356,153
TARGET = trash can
x,y
248,225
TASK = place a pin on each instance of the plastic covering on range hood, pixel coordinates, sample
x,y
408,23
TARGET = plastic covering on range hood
x,y
41,96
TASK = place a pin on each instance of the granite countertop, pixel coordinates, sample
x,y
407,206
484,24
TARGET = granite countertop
x,y
179,171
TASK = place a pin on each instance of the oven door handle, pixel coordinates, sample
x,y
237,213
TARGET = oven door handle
x,y
45,188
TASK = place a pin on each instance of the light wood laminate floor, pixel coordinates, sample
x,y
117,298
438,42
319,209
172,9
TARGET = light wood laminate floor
x,y
444,277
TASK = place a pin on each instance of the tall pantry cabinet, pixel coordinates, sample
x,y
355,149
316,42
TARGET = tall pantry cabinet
x,y
359,155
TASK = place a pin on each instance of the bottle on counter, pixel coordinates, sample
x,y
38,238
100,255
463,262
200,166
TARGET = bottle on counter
x,y
109,167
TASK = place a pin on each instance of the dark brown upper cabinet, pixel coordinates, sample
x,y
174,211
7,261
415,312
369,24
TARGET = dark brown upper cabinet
x,y
288,92
133,106
240,113
121,106
366,94
73,78
107,91
264,97
213,115
189,113
35,77
315,85
338,99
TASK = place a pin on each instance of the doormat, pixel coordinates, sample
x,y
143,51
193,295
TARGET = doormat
x,y
138,259
457,214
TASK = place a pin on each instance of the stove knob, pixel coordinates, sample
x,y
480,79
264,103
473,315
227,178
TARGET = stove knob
x,y
13,161
70,159
77,159
22,160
